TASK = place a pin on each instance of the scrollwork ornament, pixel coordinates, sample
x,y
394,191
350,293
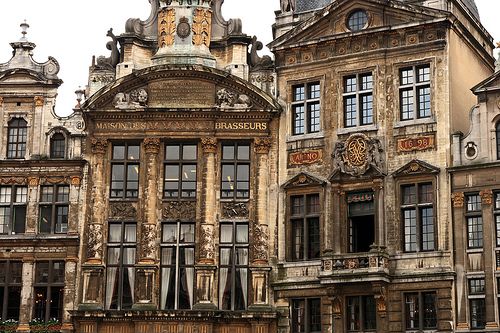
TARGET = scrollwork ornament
x,y
261,243
152,145
357,154
148,241
232,210
99,146
1,100
262,145
122,210
94,244
486,197
184,210
207,250
209,145
458,199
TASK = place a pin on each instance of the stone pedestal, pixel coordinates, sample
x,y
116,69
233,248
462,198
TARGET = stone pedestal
x,y
145,287
205,287
93,282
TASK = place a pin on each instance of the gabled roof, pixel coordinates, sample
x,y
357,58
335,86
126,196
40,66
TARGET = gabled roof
x,y
416,167
319,28
489,84
304,179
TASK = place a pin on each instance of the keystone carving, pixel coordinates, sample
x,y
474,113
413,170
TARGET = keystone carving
x,y
39,101
94,244
357,154
234,210
122,210
99,146
184,210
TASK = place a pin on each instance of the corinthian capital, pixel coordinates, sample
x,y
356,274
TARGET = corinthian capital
x,y
99,146
209,145
152,145
262,145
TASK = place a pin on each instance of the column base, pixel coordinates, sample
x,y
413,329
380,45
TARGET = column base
x,y
23,328
462,326
205,307
260,308
67,327
144,307
90,307
491,325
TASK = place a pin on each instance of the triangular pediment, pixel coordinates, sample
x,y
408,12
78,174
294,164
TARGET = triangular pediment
x,y
304,179
491,83
416,167
21,76
330,22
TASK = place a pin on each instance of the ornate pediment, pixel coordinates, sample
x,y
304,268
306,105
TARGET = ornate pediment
x,y
331,20
304,179
416,167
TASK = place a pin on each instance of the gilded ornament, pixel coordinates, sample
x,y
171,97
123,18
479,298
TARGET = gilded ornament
x,y
486,197
99,146
39,100
166,27
357,154
202,29
356,151
76,181
262,145
458,199
1,100
152,145
33,181
209,145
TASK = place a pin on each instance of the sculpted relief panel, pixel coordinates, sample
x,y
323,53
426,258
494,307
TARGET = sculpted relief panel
x,y
357,154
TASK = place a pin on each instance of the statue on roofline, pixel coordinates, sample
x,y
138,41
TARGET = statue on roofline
x,y
287,6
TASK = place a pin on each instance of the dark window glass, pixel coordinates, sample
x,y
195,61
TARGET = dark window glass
x,y
415,92
13,203
358,100
120,270
361,219
498,140
477,309
417,212
177,266
420,311
49,290
57,146
125,171
53,209
10,289
306,114
305,228
361,314
497,217
180,171
357,20
233,272
235,182
306,315
474,220
476,286
16,138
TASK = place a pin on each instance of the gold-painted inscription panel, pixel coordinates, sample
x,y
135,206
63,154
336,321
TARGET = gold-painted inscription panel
x,y
181,94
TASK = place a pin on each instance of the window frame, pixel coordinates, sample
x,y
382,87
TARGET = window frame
x,y
308,314
418,206
54,205
361,313
17,138
357,27
180,163
120,265
496,215
357,94
303,218
12,205
311,98
7,284
233,266
50,285
415,87
57,153
177,266
497,133
125,162
235,163
474,220
421,310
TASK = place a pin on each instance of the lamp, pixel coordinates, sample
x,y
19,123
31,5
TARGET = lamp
x,y
80,93
24,30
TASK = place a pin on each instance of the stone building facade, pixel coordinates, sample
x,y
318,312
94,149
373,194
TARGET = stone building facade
x,y
475,186
373,90
41,194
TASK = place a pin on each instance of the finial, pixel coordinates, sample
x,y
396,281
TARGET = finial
x,y
24,26
498,45
79,95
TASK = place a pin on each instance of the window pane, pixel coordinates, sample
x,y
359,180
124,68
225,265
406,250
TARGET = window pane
x,y
19,219
42,272
133,152
350,108
410,225
353,311
113,256
424,102
424,74
130,233
21,194
409,194
118,152
298,93
243,152
226,233
406,76
475,232
47,194
369,311
62,219
5,194
477,313
228,152
314,238
314,91
187,233
430,313
298,316
350,84
45,219
169,233
189,152
115,233
314,117
427,215
473,203
315,315
58,272
62,194
406,104
241,233
298,119
172,152
412,311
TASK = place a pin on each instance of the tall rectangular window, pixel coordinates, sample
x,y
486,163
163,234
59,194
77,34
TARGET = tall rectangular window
x,y
306,315
57,146
496,213
305,228
306,108
125,171
358,100
415,92
177,265
10,289
420,311
477,305
235,171
54,207
417,211
361,314
49,290
13,202
180,171
474,221
361,219
233,271
16,138
120,271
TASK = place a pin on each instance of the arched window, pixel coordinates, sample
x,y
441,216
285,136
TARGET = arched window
x,y
17,135
498,140
57,146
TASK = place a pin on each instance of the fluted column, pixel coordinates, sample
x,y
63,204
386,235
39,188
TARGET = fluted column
x,y
32,208
205,268
25,312
74,199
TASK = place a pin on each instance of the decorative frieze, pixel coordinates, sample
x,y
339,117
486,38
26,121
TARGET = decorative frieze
x,y
99,146
183,210
231,210
13,180
137,98
458,199
122,210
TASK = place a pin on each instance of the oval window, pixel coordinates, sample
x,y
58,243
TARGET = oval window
x,y
358,20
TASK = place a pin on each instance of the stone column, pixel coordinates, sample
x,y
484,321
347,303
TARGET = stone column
x,y
205,268
460,260
74,196
488,255
26,309
337,224
69,293
93,268
260,264
378,191
147,266
32,209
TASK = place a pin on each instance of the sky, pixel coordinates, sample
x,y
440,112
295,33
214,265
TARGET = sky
x,y
72,31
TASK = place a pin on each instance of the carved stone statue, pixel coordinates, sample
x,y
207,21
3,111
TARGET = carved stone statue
x,y
112,61
257,62
287,6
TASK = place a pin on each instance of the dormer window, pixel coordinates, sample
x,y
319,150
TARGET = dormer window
x,y
57,146
358,20
17,136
